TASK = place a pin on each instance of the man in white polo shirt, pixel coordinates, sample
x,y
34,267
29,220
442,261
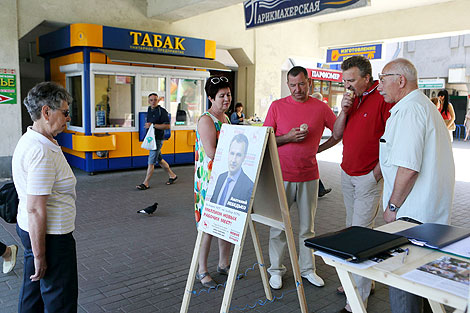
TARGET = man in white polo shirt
x,y
416,161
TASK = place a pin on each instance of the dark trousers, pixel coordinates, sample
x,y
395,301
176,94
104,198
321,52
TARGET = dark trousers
x,y
321,187
405,302
3,248
57,291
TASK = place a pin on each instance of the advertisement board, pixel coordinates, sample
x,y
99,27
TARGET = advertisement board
x,y
7,86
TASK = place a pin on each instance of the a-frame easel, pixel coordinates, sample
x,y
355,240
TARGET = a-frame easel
x,y
267,209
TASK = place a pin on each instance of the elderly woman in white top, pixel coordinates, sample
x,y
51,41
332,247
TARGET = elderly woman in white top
x,y
46,213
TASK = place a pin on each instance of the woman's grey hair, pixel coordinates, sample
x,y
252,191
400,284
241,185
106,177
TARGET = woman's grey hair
x,y
45,93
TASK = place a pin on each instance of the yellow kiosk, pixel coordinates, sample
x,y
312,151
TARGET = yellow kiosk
x,y
110,72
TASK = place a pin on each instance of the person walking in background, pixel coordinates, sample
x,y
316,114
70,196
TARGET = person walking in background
x,y
447,112
207,135
157,116
8,253
416,161
321,188
237,116
467,125
298,122
46,212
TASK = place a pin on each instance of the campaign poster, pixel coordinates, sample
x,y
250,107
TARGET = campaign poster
x,y
229,194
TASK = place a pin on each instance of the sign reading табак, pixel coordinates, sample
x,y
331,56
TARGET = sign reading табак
x,y
263,12
7,86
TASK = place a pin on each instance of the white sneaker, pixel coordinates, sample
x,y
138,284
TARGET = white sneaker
x,y
275,281
314,279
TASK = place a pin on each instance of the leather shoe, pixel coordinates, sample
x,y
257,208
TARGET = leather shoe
x,y
275,282
9,265
324,192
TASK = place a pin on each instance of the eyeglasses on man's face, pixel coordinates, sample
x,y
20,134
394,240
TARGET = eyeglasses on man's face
x,y
216,80
65,112
381,76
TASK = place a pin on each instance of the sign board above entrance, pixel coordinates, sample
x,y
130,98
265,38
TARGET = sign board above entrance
x,y
98,36
436,83
321,74
7,86
372,52
263,12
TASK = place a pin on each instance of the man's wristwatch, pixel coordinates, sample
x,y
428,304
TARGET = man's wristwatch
x,y
392,207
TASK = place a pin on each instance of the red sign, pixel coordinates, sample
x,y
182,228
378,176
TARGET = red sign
x,y
320,74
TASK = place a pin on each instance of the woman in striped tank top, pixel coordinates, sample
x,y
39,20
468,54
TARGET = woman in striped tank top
x,y
46,212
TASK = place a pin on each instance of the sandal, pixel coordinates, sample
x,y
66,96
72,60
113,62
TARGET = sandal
x,y
171,181
210,284
142,187
223,271
226,271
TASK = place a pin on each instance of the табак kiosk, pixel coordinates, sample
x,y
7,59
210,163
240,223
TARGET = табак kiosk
x,y
110,72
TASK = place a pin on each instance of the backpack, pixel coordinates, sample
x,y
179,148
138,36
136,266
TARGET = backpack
x,y
8,202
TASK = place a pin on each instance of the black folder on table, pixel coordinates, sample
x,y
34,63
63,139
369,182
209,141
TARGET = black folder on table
x,y
435,236
355,243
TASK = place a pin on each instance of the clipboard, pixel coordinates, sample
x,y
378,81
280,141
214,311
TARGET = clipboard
x,y
356,244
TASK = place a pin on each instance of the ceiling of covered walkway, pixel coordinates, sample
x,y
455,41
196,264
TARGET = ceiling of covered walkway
x,y
176,10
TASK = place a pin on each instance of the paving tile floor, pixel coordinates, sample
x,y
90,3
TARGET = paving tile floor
x,y
129,262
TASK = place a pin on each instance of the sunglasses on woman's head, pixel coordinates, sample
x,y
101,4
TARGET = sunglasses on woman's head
x,y
216,80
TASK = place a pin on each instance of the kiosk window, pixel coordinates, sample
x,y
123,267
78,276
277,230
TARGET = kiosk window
x,y
152,85
74,85
114,101
186,99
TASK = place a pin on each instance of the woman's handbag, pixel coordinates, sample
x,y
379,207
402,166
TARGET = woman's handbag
x,y
149,140
8,202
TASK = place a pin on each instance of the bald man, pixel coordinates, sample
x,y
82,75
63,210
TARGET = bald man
x,y
416,161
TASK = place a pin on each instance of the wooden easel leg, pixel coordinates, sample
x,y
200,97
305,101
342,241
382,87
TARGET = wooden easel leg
x,y
351,291
286,220
436,306
230,285
295,266
260,259
192,274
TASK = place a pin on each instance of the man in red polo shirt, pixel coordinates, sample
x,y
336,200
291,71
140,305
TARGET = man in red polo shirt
x,y
298,121
361,123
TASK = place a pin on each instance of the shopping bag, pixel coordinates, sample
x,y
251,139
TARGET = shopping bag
x,y
149,140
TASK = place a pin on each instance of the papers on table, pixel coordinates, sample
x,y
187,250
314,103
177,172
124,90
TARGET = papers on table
x,y
460,248
361,265
388,256
446,273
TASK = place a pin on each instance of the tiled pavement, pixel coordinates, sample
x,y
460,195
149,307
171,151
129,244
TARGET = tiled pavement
x,y
133,263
